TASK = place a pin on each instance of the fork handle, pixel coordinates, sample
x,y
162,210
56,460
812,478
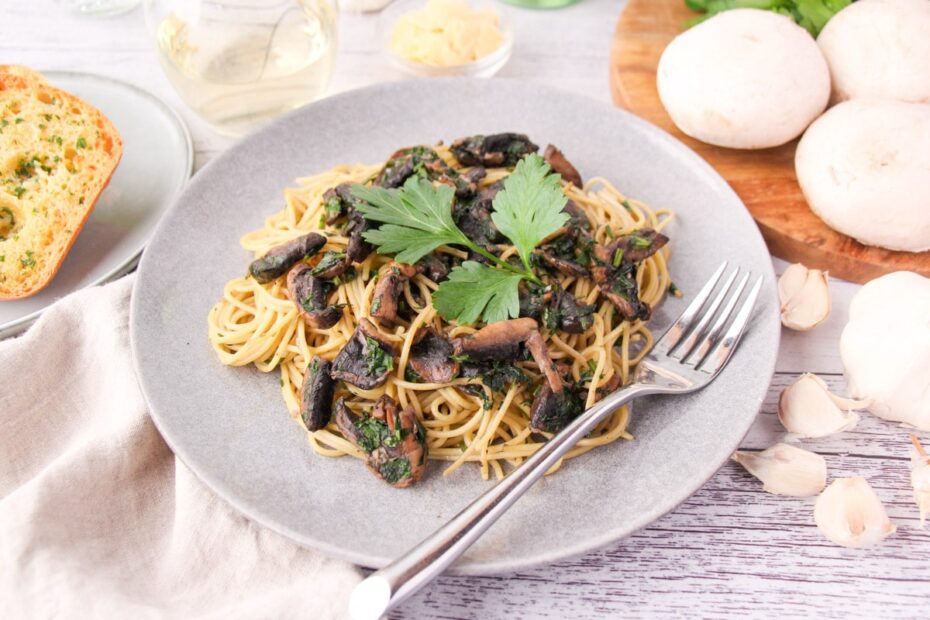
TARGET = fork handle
x,y
385,588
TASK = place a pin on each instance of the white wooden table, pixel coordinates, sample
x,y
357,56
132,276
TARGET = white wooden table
x,y
730,551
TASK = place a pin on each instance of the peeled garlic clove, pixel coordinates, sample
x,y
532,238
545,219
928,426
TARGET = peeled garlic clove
x,y
920,479
808,409
850,514
786,470
804,297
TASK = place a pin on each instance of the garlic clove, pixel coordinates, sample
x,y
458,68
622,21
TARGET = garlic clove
x,y
920,479
808,409
804,296
850,514
786,470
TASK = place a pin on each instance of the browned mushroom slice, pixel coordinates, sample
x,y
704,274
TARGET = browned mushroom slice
x,y
434,267
499,341
431,358
578,218
574,317
536,345
309,295
500,149
366,360
559,163
330,265
387,292
473,217
346,420
634,247
357,249
553,410
616,279
394,441
562,265
316,395
280,258
424,162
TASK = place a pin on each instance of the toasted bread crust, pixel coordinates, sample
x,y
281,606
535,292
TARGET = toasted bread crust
x,y
57,154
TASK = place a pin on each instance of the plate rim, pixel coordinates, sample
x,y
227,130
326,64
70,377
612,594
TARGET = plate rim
x,y
483,567
17,326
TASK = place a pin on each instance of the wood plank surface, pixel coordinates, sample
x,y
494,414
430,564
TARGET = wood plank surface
x,y
731,550
764,179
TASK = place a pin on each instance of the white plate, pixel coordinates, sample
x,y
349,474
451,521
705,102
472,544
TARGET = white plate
x,y
157,160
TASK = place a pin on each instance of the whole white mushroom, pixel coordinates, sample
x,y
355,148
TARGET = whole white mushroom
x,y
879,48
745,79
885,347
864,168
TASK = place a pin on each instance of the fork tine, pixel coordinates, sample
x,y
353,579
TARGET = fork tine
x,y
719,356
713,336
674,333
687,345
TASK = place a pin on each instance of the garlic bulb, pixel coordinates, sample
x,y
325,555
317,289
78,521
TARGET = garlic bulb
x,y
786,470
808,409
850,514
804,297
920,479
885,347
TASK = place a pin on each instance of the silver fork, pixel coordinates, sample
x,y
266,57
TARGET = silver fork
x,y
690,354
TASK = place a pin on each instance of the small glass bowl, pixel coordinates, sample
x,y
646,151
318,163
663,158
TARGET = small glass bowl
x,y
483,67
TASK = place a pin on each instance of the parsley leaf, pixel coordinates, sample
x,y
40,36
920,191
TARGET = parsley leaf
x,y
474,289
416,220
529,208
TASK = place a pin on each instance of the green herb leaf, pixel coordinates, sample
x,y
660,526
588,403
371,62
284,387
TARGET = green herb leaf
x,y
473,290
81,143
416,219
529,208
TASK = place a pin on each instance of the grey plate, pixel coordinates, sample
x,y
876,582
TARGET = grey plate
x,y
157,161
230,426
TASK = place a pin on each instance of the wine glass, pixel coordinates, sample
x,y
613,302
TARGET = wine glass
x,y
239,63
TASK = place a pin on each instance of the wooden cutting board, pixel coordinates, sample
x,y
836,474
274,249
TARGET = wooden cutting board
x,y
764,179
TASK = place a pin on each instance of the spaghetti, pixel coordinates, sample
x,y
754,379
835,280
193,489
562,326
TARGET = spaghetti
x,y
258,324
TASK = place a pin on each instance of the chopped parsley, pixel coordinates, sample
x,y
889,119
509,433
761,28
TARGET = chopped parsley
x,y
395,470
18,191
379,361
28,260
376,434
81,143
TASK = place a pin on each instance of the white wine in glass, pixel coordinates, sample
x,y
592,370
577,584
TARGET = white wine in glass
x,y
239,63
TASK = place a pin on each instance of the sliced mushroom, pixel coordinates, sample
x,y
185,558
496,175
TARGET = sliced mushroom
x,y
534,300
635,247
573,317
500,149
497,341
309,295
473,217
434,267
562,265
316,395
553,410
357,249
366,360
431,358
616,280
426,162
394,441
559,163
279,259
540,352
578,218
339,201
330,265
388,290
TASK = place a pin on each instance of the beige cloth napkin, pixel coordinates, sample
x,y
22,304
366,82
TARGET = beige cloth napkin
x,y
98,519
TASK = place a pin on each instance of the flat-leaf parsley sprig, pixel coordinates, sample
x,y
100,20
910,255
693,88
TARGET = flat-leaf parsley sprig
x,y
417,219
